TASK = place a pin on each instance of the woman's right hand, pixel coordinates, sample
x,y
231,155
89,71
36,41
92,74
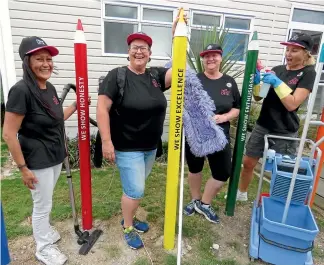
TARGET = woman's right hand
x,y
108,150
28,178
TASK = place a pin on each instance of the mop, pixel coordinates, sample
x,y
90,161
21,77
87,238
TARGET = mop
x,y
85,239
203,135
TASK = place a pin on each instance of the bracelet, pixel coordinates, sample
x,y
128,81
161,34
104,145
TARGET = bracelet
x,y
21,166
75,105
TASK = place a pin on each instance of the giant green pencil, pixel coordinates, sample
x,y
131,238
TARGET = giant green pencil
x,y
246,98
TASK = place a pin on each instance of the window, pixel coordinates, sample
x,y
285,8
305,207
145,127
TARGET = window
x,y
121,20
308,16
237,37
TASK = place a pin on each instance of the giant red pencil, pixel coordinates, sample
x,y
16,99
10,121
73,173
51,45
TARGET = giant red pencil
x,y
81,74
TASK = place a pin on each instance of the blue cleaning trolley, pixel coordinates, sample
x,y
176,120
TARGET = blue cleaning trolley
x,y
283,228
5,256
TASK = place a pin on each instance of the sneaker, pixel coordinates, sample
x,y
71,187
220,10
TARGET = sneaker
x,y
241,196
54,235
189,210
133,240
138,225
208,212
51,255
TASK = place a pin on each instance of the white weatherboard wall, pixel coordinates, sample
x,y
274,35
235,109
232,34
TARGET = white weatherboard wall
x,y
55,21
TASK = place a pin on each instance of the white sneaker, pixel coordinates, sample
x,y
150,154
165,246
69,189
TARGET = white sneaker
x,y
51,255
54,235
241,196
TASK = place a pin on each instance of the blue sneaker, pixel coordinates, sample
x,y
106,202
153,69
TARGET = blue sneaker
x,y
189,210
133,240
138,225
208,212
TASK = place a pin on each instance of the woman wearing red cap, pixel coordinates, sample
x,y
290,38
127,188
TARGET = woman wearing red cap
x,y
131,126
33,111
290,86
223,90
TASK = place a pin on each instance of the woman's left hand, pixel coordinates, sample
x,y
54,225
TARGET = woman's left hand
x,y
220,118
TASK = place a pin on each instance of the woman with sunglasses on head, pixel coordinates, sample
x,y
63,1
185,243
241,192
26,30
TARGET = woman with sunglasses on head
x,y
291,84
34,112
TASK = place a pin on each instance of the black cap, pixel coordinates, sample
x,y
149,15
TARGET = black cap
x,y
300,40
212,48
32,44
141,36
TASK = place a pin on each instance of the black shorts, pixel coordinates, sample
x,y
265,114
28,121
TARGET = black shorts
x,y
219,162
255,145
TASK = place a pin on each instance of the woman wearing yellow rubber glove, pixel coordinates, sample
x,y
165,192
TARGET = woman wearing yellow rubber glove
x,y
291,84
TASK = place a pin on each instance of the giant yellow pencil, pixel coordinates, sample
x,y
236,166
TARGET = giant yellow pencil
x,y
175,129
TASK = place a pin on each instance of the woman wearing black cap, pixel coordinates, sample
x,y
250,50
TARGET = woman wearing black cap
x,y
290,86
224,92
34,112
131,125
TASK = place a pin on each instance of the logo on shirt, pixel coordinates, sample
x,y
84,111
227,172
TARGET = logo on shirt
x,y
229,84
293,81
300,74
154,82
55,100
225,92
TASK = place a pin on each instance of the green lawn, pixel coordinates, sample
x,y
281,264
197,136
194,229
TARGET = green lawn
x,y
106,203
106,194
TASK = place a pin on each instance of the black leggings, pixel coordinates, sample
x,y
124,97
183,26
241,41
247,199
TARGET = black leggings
x,y
219,162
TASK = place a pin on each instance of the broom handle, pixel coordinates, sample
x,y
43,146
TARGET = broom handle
x,y
304,135
181,198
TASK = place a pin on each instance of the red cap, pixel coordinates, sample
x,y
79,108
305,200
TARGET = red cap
x,y
141,36
212,48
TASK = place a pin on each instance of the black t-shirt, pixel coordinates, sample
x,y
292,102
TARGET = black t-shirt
x,y
225,94
41,136
274,116
138,123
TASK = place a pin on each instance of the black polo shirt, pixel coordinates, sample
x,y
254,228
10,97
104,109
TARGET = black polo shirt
x,y
274,116
41,136
225,94
138,124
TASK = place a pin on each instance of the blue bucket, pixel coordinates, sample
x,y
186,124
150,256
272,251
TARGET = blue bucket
x,y
5,257
289,243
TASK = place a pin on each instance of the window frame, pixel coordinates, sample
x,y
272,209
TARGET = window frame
x,y
139,22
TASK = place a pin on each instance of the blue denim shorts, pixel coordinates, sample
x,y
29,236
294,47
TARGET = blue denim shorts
x,y
134,168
